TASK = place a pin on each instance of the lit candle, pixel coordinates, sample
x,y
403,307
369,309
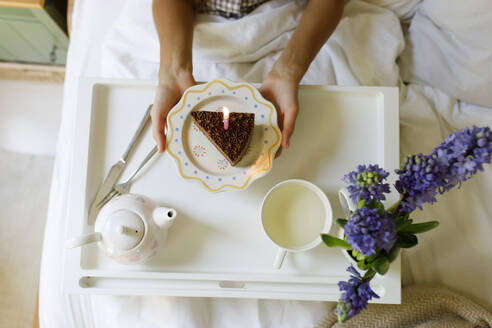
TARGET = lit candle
x,y
225,111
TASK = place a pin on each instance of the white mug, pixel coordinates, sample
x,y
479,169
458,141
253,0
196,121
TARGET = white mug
x,y
294,214
347,204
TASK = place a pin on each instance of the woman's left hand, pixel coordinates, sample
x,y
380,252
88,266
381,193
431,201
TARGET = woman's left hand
x,y
281,84
281,90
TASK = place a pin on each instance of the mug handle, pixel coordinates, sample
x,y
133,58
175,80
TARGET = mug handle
x,y
279,259
347,204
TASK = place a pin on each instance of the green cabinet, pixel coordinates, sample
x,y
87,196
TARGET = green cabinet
x,y
33,35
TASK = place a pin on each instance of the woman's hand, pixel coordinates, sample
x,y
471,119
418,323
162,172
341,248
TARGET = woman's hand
x,y
174,24
281,89
280,86
168,93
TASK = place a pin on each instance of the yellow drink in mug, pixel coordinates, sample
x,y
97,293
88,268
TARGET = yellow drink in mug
x,y
294,214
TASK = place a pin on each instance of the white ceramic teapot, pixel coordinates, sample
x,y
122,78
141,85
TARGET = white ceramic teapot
x,y
129,229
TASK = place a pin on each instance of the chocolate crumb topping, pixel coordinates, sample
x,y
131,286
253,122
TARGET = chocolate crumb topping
x,y
234,141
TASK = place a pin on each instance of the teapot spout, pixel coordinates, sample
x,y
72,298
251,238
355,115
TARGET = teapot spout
x,y
164,217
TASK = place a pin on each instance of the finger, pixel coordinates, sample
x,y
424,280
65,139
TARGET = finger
x,y
289,122
280,120
279,152
158,125
267,94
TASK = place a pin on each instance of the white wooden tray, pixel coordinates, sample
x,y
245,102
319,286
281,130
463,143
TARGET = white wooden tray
x,y
216,247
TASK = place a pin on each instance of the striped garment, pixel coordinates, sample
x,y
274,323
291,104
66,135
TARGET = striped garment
x,y
226,8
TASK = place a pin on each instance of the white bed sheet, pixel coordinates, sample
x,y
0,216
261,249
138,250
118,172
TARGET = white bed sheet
x,y
116,38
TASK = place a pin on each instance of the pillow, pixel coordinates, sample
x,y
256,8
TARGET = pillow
x,y
448,47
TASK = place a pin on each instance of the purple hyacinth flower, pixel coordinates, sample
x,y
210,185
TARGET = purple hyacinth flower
x,y
455,160
419,181
386,235
367,183
366,231
354,297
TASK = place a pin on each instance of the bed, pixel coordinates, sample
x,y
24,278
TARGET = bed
x,y
437,52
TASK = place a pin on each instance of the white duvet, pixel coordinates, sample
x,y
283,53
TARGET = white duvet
x,y
445,55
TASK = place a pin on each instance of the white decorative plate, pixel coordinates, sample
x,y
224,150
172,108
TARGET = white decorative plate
x,y
196,157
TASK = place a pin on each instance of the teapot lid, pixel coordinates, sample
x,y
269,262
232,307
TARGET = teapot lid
x,y
123,230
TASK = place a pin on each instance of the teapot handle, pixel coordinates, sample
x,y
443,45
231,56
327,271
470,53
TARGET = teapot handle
x,y
83,240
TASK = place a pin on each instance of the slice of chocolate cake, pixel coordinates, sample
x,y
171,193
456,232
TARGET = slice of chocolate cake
x,y
234,141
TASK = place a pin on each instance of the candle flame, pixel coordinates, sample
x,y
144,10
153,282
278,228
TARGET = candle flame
x,y
225,111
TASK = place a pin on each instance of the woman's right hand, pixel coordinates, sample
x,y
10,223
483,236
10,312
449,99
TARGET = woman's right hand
x,y
169,91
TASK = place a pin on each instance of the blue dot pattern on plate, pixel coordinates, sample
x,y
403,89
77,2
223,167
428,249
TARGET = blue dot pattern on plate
x,y
245,98
189,105
179,152
244,172
262,116
186,163
207,177
175,140
266,129
177,129
266,141
233,92
256,105
210,93
220,179
181,117
195,171
233,178
223,90
198,98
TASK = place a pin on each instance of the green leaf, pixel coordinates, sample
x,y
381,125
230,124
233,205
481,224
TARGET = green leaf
x,y
331,241
381,209
372,203
341,222
360,257
381,263
420,227
406,240
372,257
368,275
403,225
362,265
393,254
361,203
402,218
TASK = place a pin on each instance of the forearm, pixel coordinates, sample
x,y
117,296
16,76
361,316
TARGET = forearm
x,y
174,23
317,23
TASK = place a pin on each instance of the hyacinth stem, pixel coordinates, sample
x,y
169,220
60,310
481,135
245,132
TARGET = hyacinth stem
x,y
393,208
368,275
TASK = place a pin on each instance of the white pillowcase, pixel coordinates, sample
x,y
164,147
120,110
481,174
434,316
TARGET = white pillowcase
x,y
449,46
